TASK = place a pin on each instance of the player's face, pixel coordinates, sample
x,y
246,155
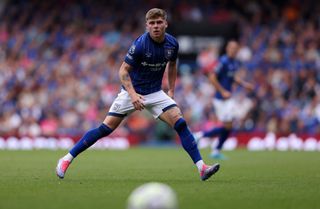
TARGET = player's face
x,y
232,49
157,28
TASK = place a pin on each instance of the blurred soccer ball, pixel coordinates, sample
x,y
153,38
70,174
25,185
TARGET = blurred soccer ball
x,y
153,196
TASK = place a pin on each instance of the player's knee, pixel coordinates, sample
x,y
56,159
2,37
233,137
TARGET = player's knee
x,y
176,114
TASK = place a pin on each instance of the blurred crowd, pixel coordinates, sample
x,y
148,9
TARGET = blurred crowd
x,y
59,64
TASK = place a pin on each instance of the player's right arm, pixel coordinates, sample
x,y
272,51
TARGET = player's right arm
x,y
214,81
136,99
132,60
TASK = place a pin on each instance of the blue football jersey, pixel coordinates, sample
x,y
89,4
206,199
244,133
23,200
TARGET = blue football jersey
x,y
225,72
148,60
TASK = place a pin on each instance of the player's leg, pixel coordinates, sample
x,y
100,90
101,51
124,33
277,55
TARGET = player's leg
x,y
92,136
226,130
118,110
213,132
88,139
165,108
174,118
216,131
222,112
225,113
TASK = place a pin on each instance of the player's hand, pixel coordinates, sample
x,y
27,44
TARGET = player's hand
x,y
137,101
171,93
226,94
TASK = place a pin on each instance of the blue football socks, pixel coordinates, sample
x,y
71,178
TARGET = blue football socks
x,y
223,137
90,138
187,140
213,132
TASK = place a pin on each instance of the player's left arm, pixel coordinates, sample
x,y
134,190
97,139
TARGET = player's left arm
x,y
172,76
243,83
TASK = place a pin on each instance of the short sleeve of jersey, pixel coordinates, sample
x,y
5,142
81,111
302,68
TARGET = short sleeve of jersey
x,y
218,68
175,52
133,55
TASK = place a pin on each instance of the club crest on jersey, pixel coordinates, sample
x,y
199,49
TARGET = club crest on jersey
x,y
168,53
132,49
231,66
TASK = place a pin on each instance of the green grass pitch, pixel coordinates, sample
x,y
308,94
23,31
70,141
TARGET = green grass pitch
x,y
104,179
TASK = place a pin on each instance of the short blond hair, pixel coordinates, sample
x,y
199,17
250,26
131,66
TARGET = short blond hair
x,y
155,13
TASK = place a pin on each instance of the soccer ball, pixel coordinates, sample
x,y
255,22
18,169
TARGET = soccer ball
x,y
153,195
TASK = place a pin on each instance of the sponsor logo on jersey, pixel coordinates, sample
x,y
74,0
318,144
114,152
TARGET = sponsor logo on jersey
x,y
154,66
148,54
